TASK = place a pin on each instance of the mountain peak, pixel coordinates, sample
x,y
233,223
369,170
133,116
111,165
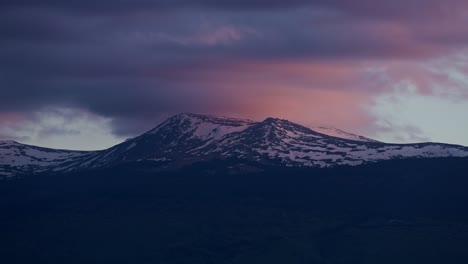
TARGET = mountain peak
x,y
273,120
207,118
284,125
190,121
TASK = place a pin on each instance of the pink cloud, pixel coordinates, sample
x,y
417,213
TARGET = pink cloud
x,y
10,118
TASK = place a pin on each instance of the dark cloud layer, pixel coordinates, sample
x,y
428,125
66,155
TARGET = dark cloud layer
x,y
134,60
359,7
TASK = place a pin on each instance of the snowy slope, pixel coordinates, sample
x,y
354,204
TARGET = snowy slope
x,y
280,141
187,138
16,158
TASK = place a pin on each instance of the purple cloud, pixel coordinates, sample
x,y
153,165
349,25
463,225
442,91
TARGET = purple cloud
x,y
138,61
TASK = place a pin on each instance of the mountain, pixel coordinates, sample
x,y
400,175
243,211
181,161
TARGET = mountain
x,y
189,138
16,158
172,141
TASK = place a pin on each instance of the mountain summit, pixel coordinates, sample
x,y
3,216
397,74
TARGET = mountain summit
x,y
189,138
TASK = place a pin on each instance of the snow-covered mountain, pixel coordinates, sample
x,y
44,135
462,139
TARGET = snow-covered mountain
x,y
16,158
172,141
188,138
283,142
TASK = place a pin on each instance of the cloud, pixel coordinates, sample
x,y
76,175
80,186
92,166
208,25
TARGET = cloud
x,y
400,133
358,7
135,62
59,128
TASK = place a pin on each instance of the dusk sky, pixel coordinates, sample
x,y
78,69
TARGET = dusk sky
x,y
88,74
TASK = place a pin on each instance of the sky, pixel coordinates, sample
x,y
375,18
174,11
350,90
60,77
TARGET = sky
x,y
88,74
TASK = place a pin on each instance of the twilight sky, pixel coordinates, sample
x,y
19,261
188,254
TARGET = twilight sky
x,y
87,74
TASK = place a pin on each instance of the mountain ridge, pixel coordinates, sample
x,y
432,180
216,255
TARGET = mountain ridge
x,y
188,138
